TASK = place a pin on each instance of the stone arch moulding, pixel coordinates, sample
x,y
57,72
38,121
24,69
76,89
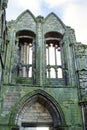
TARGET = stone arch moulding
x,y
25,32
54,34
46,103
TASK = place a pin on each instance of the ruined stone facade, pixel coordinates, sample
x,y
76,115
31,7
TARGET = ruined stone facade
x,y
43,74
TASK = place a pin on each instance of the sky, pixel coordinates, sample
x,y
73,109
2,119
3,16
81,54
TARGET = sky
x,y
73,13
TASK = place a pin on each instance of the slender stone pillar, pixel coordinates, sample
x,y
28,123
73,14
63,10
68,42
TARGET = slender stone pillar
x,y
39,51
83,116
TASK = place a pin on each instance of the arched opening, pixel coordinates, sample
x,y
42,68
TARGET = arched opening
x,y
26,53
53,55
39,110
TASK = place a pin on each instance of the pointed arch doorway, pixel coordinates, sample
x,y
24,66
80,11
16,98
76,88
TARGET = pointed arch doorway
x,y
38,111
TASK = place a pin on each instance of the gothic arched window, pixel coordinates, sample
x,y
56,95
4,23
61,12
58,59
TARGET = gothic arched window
x,y
53,55
25,53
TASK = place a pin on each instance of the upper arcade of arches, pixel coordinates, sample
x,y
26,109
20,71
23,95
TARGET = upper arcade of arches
x,y
37,36
28,21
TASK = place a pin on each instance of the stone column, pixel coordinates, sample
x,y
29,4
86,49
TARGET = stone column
x,y
28,53
25,53
22,56
83,116
40,51
69,58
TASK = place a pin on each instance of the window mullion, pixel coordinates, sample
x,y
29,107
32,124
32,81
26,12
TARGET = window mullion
x,y
48,55
22,56
55,55
29,53
49,75
25,52
55,62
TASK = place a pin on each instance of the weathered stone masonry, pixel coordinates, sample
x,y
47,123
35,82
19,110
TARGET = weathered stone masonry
x,y
43,74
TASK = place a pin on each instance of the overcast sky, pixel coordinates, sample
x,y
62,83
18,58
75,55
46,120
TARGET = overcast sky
x,y
72,12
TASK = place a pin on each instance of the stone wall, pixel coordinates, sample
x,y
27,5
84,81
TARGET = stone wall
x,y
25,21
81,68
52,23
66,98
63,96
